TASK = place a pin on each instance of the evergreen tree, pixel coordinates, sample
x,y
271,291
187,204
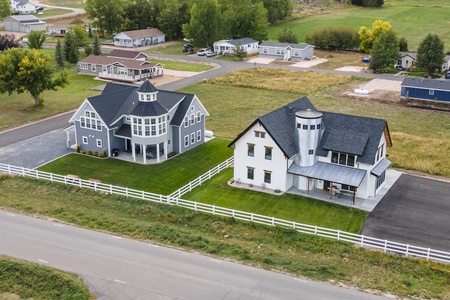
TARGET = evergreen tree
x,y
88,50
59,53
71,52
287,36
430,55
96,46
90,31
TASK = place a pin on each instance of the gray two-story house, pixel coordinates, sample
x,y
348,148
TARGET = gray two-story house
x,y
143,122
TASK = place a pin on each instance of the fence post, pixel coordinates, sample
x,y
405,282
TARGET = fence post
x,y
143,195
273,221
176,201
179,193
190,186
213,209
362,240
428,254
338,234
9,169
407,250
209,174
126,192
232,213
251,217
160,198
200,180
315,230
23,171
195,206
110,189
51,177
37,174
385,245
293,225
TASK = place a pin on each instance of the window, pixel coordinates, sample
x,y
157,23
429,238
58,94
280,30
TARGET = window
x,y
299,125
186,121
380,180
260,134
89,121
268,153
85,140
99,143
199,135
318,126
431,92
251,150
311,152
265,50
83,66
312,127
199,118
192,138
122,71
267,176
104,69
380,153
93,68
343,159
186,140
192,119
250,173
305,126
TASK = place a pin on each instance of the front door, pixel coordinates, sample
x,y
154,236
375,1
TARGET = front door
x,y
326,185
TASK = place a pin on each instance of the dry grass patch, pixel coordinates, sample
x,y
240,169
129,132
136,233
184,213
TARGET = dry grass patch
x,y
339,59
281,80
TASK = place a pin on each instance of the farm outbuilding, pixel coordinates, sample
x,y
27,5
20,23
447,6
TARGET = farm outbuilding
x,y
24,23
426,89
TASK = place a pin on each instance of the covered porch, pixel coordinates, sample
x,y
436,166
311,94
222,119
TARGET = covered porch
x,y
338,180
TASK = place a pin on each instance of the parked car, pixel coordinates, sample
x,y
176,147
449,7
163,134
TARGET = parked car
x,y
39,8
447,75
211,54
202,52
188,48
366,59
25,40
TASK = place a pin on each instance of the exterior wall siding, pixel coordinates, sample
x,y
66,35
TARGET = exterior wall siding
x,y
424,94
188,131
92,137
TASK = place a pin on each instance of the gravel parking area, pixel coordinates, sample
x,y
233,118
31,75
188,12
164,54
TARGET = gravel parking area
x,y
36,151
382,84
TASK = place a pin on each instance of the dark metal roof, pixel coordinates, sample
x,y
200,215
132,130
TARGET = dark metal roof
x,y
381,167
330,172
284,45
239,42
356,134
124,131
347,141
423,83
147,87
309,114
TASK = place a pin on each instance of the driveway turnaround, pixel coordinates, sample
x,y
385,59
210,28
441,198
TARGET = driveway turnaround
x,y
414,211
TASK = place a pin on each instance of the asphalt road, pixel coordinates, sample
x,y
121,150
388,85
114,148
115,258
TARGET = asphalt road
x,y
415,211
121,268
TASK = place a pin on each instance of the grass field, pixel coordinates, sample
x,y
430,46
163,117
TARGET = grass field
x,y
24,280
48,12
174,47
412,19
262,246
162,178
68,3
182,66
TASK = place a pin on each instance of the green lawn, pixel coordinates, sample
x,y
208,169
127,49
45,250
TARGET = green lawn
x,y
68,3
412,19
162,178
288,207
17,109
174,47
25,280
182,66
47,12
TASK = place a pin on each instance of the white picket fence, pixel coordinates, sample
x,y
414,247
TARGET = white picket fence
x,y
199,180
362,240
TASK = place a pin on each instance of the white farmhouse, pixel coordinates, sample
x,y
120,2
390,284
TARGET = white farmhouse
x,y
298,147
23,7
229,46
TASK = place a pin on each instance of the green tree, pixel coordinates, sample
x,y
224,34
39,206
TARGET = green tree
x,y
106,15
335,38
287,36
36,40
88,50
138,14
79,36
204,25
277,10
240,53
385,51
23,70
430,55
71,52
172,14
5,9
8,41
96,47
369,36
259,25
59,53
403,43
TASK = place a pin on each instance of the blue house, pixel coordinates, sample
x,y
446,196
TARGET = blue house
x,y
426,89
140,121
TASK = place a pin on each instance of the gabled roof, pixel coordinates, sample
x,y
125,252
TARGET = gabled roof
x,y
341,133
26,19
422,83
239,42
118,100
413,55
117,53
143,33
178,117
128,63
284,45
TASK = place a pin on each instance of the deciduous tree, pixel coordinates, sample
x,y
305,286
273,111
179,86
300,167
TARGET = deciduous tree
x,y
204,26
287,36
23,70
5,9
369,36
36,39
138,14
385,51
403,43
8,41
430,54
172,14
277,10
106,15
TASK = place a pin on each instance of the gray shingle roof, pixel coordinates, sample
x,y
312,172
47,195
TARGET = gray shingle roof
x,y
119,100
354,134
243,41
143,33
147,87
284,45
435,84
118,53
182,109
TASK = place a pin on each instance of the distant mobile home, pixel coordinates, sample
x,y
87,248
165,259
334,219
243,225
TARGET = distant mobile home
x,y
286,51
426,89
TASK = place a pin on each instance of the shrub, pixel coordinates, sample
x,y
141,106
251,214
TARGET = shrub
x,y
287,36
89,152
78,148
104,152
95,153
100,155
335,38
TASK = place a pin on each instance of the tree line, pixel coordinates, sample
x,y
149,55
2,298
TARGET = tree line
x,y
203,21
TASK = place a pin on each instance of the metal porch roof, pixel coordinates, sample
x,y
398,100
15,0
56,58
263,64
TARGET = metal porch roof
x,y
381,167
330,172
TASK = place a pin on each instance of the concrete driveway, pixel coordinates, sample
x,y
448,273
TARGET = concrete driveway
x,y
414,211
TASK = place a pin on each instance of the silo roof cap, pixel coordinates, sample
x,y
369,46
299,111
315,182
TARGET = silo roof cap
x,y
309,114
